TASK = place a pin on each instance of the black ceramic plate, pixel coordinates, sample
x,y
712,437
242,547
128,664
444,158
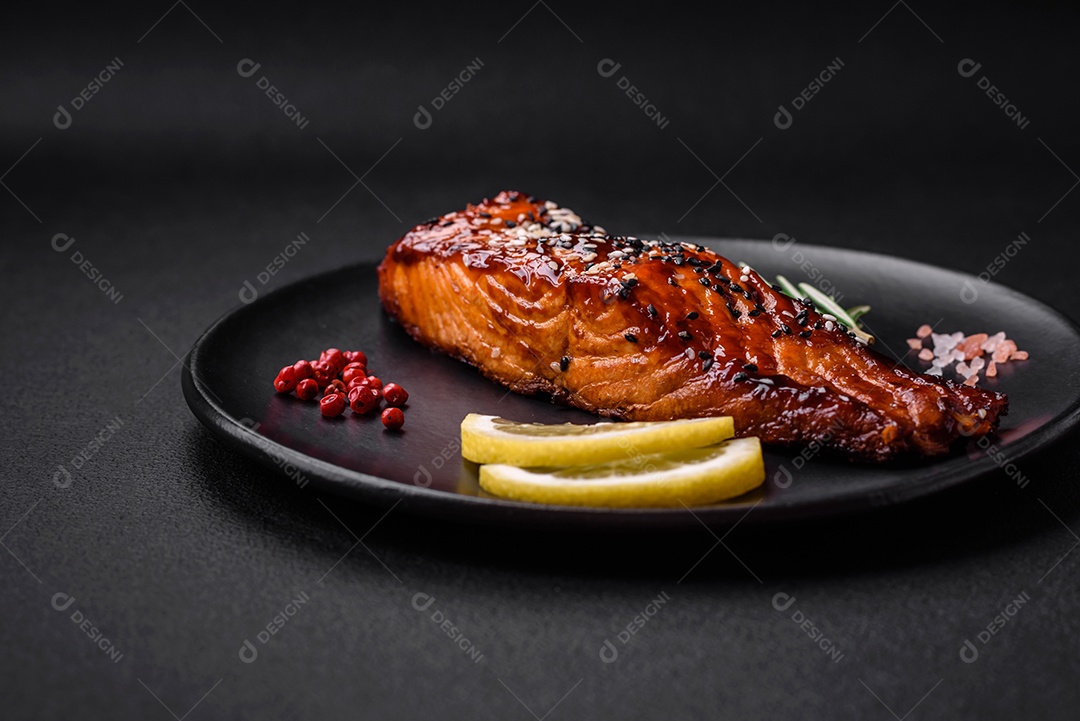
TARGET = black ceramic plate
x,y
228,377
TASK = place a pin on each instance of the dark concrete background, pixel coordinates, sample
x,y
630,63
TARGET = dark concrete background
x,y
179,180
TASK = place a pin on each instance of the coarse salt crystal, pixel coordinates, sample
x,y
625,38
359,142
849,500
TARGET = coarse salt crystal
x,y
977,364
991,343
935,371
991,369
944,341
1019,355
926,354
924,331
915,344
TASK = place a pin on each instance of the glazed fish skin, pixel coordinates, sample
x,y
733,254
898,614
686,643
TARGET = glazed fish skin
x,y
640,330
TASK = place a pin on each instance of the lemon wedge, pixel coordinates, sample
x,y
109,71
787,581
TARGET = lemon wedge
x,y
490,439
664,480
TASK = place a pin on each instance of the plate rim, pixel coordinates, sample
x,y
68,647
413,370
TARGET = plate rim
x,y
358,485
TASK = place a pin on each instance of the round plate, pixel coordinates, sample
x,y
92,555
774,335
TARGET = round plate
x,y
227,383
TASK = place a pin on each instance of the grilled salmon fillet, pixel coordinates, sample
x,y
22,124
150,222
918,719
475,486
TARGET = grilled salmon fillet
x,y
542,302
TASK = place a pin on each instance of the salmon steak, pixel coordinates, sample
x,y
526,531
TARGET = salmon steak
x,y
645,330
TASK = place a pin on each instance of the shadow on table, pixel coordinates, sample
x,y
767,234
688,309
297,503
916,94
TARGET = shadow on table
x,y
989,513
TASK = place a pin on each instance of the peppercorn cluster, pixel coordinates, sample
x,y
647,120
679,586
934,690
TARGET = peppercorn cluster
x,y
342,378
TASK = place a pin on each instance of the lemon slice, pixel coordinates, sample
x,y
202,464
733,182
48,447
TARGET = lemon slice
x,y
490,439
691,477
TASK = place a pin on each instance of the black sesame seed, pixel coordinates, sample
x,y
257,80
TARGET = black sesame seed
x,y
652,310
485,215
786,328
735,312
806,334
755,312
511,224
692,315
701,249
685,335
818,325
740,376
449,222
703,281
630,282
703,354
624,292
776,334
707,364
678,260
699,270
631,337
750,367
564,363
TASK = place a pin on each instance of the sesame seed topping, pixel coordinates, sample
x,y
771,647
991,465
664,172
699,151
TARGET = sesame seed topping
x,y
692,315
564,363
631,337
750,367
685,335
740,376
776,334
806,334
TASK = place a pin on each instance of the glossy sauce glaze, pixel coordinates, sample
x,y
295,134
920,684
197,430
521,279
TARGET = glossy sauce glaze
x,y
645,330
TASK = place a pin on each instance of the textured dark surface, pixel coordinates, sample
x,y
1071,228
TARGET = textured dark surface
x,y
179,181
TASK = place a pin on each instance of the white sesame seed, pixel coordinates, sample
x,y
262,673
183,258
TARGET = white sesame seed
x,y
744,278
553,265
